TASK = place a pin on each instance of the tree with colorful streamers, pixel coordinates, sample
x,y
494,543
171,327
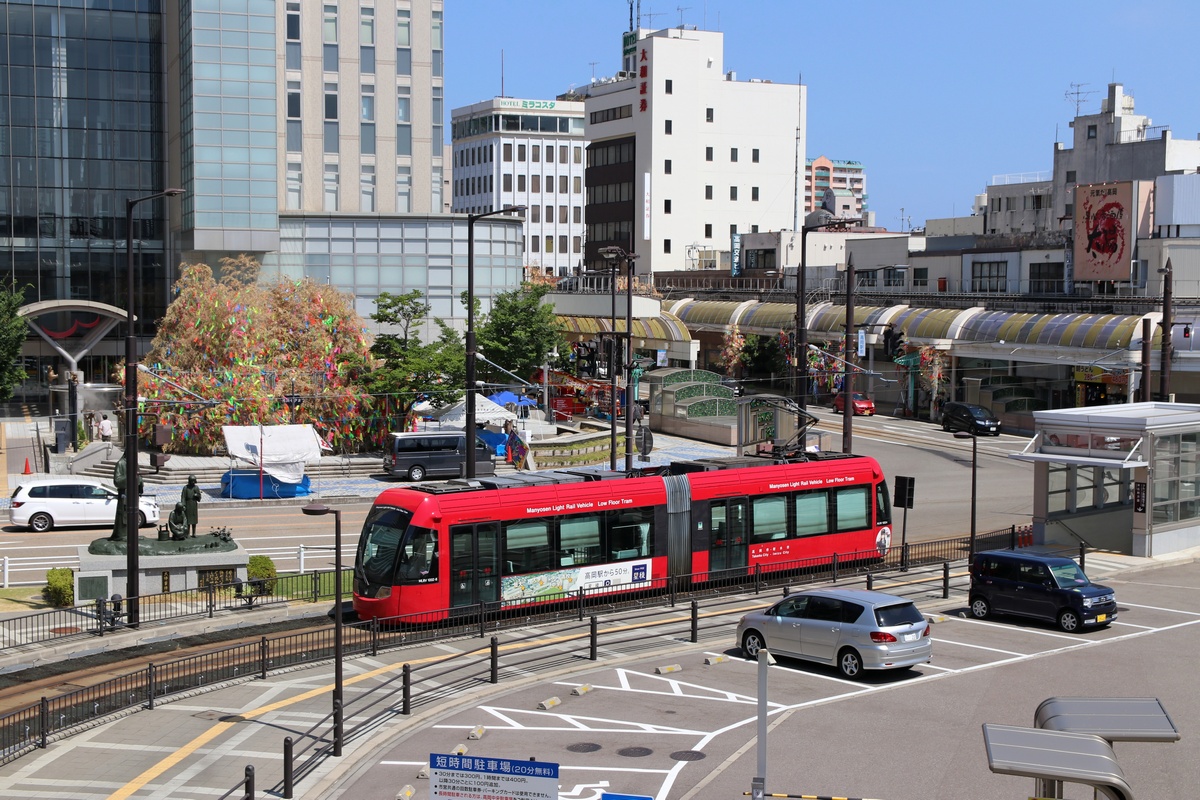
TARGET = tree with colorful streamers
x,y
271,354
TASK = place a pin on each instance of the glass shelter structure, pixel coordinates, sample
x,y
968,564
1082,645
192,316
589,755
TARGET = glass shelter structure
x,y
1119,477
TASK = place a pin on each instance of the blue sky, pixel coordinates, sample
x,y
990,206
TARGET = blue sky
x,y
933,97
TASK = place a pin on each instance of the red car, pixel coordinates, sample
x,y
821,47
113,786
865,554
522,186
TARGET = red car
x,y
862,404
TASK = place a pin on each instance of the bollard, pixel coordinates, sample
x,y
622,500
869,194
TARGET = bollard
x,y
100,615
212,600
835,567
5,572
695,622
757,578
337,727
495,660
945,580
288,776
594,637
1012,538
406,691
150,686
44,721
671,584
249,795
263,649
581,604
300,557
1082,556
870,582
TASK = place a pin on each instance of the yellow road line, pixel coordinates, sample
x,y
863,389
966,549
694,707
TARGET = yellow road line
x,y
186,750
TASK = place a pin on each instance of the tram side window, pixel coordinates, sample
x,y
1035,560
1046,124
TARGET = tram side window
x,y
527,546
579,540
812,513
418,558
852,509
629,533
768,519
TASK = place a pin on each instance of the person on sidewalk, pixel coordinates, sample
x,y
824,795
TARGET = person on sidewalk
x,y
106,429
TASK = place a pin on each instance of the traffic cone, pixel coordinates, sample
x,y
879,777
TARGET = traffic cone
x,y
27,471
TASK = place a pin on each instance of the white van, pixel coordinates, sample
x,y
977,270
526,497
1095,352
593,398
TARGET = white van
x,y
48,503
434,454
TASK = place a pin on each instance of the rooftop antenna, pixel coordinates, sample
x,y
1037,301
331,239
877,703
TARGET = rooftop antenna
x,y
682,9
901,219
799,132
502,72
639,14
1076,95
593,63
650,16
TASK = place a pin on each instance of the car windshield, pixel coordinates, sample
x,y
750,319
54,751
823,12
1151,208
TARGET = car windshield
x,y
1069,576
900,614
979,413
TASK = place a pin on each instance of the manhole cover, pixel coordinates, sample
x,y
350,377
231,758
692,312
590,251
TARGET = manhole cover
x,y
687,755
583,747
634,752
220,716
68,629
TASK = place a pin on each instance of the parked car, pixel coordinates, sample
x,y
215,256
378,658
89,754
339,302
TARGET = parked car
x,y
852,629
1050,588
434,454
862,404
970,418
59,502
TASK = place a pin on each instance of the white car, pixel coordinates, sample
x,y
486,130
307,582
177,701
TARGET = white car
x,y
57,502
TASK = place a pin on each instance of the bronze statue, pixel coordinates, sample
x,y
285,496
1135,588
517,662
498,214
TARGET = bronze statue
x,y
177,523
120,534
191,503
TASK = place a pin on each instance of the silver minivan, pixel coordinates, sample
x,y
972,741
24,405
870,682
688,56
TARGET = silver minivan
x,y
434,454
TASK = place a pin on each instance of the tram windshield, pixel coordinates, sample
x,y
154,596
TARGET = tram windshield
x,y
382,536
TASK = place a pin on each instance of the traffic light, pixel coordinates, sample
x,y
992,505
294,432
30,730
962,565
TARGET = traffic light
x,y
1187,331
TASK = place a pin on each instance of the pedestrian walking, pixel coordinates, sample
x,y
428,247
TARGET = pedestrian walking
x,y
106,429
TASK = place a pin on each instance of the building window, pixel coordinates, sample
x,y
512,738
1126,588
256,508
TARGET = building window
x,y
733,193
549,213
549,243
437,190
521,152
667,167
366,40
331,137
733,154
733,229
403,189
754,194
708,115
667,127
563,211
331,187
293,99
535,214
331,105
754,155
535,183
989,276
330,57
708,230
708,194
293,36
435,41
366,144
366,194
535,153
562,243
506,182
666,245
708,154
577,157
535,244
366,60
329,26
520,183
669,87
1046,278
1069,210
404,121
576,244
1070,176
295,136
1091,131
549,154
403,42
508,152
562,183
577,214
295,186
562,154
577,185
368,103
666,206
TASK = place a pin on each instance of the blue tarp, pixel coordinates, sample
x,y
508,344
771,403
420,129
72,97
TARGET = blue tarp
x,y
507,398
244,483
494,441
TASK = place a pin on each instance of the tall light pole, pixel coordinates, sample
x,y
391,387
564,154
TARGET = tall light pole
x,y
974,472
132,505
469,469
1164,372
758,785
317,510
850,349
613,254
814,221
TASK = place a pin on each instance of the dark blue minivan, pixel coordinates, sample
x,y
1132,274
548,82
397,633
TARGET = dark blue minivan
x,y
1045,587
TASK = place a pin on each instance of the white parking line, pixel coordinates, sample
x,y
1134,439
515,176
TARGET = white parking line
x,y
1131,625
1012,628
980,647
1157,608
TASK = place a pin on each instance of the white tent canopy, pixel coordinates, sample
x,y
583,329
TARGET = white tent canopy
x,y
486,412
281,450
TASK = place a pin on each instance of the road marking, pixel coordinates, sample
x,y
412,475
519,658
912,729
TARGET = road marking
x,y
1131,625
1012,628
981,647
1158,608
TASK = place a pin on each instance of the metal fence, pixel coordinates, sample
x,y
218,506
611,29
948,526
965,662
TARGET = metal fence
x,y
32,727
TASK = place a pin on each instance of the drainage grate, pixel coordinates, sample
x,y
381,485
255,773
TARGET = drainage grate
x,y
634,752
583,747
688,755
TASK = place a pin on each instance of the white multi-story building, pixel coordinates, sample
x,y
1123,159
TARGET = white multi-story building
x,y
683,156
511,152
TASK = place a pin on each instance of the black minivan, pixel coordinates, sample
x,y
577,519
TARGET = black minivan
x,y
1045,587
434,454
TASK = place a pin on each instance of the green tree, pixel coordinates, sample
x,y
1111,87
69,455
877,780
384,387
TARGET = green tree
x,y
408,368
12,336
519,333
763,357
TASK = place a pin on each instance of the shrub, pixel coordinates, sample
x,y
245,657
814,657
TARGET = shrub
x,y
262,568
60,587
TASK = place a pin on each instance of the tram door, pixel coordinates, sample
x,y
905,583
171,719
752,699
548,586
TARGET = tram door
x,y
728,545
474,564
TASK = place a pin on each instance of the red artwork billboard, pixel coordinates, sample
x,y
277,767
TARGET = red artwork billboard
x,y
1105,231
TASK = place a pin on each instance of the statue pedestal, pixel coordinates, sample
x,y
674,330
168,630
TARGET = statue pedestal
x,y
105,575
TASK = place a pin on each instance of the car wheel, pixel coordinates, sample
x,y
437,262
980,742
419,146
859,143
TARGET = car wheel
x,y
1068,621
416,473
850,663
752,642
946,425
41,522
141,519
980,608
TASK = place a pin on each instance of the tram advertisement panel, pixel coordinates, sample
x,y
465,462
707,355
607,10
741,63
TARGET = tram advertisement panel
x,y
568,580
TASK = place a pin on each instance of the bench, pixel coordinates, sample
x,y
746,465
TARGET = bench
x,y
249,593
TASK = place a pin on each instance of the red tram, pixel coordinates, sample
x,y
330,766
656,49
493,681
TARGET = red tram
x,y
517,539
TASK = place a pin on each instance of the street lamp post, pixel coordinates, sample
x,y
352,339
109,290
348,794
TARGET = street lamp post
x,y
848,381
132,506
613,254
1164,372
469,470
316,510
974,473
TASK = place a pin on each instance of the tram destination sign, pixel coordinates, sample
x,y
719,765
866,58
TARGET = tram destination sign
x,y
482,778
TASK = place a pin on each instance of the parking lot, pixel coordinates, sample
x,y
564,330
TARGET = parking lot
x,y
645,728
